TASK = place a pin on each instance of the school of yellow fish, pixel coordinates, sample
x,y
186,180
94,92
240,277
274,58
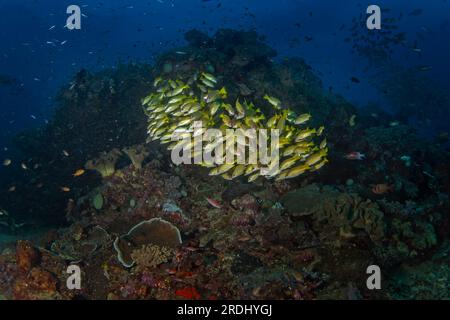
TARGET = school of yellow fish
x,y
177,104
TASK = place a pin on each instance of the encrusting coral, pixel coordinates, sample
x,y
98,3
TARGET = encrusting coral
x,y
175,109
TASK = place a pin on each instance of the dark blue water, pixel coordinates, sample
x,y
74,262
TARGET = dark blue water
x,y
43,58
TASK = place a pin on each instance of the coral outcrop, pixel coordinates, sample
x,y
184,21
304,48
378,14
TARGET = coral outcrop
x,y
156,232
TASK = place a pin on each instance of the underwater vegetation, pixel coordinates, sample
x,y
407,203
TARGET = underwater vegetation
x,y
141,227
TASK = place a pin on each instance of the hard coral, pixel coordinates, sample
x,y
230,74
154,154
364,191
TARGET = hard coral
x,y
105,164
150,256
155,231
26,256
137,154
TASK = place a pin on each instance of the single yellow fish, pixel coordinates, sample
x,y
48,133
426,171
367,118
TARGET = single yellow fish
x,y
273,101
303,118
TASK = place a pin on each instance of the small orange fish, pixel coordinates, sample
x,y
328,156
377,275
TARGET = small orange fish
x,y
382,188
79,172
65,189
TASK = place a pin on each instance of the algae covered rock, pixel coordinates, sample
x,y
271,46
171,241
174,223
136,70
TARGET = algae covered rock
x,y
155,231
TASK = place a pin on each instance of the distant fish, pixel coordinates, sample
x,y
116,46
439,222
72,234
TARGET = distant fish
x,y
24,166
382,188
7,162
65,189
352,121
425,68
63,43
12,189
79,173
181,52
52,27
355,155
394,123
355,80
65,153
32,116
214,203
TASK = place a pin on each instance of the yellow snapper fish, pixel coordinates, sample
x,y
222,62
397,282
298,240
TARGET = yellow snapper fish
x,y
316,157
221,169
304,134
296,171
273,101
253,177
238,171
303,118
289,162
209,77
176,104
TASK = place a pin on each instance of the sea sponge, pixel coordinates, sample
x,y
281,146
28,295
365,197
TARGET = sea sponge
x,y
105,164
155,231
137,154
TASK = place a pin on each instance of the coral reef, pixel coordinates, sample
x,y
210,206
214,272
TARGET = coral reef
x,y
156,232
105,163
137,155
345,212
150,256
307,238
